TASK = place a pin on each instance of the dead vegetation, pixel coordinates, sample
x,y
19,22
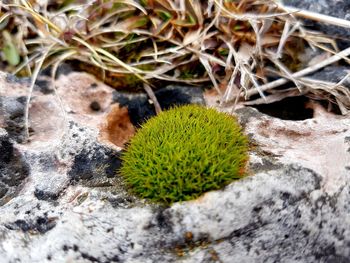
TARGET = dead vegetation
x,y
243,48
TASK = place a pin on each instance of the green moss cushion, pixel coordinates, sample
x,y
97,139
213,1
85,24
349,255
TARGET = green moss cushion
x,y
184,152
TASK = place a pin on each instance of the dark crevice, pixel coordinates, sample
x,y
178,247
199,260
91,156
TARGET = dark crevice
x,y
292,108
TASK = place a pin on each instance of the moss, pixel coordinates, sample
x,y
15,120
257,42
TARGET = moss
x,y
184,152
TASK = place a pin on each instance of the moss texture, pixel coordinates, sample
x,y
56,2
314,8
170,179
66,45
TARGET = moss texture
x,y
184,152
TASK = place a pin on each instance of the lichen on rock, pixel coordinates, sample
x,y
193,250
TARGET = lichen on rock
x,y
61,200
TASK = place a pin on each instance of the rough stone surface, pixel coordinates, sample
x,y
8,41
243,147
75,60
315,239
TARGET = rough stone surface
x,y
13,168
317,143
272,220
12,112
92,161
61,199
334,74
336,8
140,107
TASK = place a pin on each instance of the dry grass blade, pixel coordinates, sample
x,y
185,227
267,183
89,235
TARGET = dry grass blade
x,y
335,93
32,83
275,97
153,98
133,3
121,63
285,72
342,81
316,16
38,17
226,43
59,60
208,68
4,17
343,54
287,32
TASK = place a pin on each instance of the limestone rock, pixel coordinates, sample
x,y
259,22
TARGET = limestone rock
x,y
13,168
61,199
336,8
140,107
334,74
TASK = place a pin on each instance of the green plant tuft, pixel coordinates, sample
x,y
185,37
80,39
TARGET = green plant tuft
x,y
184,152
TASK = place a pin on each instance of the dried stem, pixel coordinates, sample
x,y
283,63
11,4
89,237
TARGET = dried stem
x,y
153,97
274,84
316,16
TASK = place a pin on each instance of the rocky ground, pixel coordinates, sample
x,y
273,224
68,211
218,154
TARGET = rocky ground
x,y
63,201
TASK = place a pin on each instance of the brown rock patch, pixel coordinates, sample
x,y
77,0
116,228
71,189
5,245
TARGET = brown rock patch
x,y
118,128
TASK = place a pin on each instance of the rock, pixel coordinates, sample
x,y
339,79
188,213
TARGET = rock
x,y
61,198
91,160
117,128
63,69
333,74
12,116
268,217
299,142
50,188
336,8
291,108
141,108
266,220
10,78
13,100
13,169
40,224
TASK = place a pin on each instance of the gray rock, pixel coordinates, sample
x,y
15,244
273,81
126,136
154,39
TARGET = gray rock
x,y
93,163
140,107
336,8
10,78
333,74
12,115
289,223
51,187
341,35
66,202
275,216
13,99
13,169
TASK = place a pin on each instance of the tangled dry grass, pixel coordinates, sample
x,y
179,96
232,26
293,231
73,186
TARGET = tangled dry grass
x,y
243,48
